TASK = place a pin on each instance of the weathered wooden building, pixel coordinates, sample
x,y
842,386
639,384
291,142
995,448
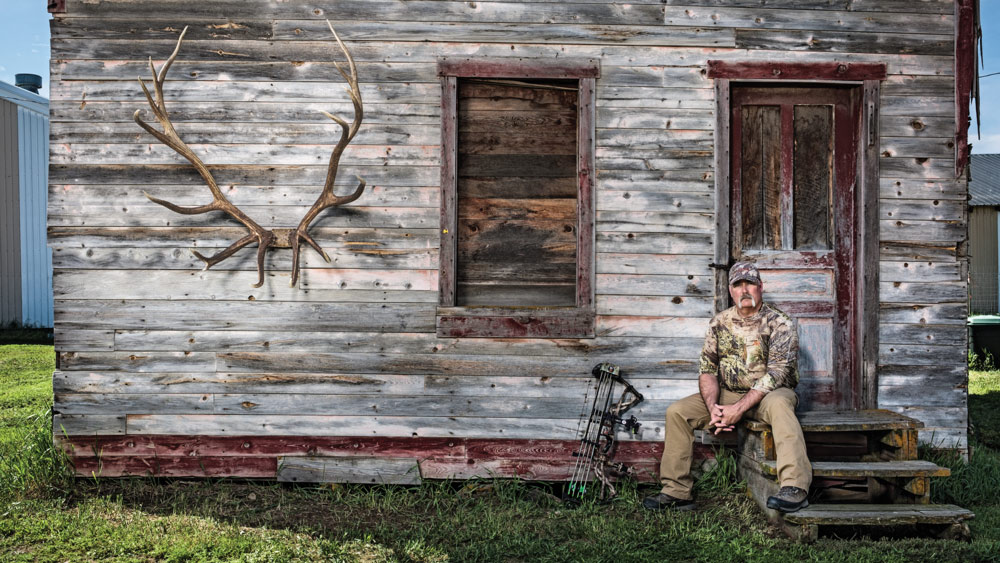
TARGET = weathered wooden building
x,y
550,185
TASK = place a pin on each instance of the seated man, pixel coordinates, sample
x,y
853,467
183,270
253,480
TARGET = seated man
x,y
748,368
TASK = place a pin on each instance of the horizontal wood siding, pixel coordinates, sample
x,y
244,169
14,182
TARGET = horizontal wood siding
x,y
151,345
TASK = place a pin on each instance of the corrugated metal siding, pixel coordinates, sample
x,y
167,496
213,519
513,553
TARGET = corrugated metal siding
x,y
984,180
36,256
983,289
10,238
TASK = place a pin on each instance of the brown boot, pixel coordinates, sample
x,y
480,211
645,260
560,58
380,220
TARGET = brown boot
x,y
789,499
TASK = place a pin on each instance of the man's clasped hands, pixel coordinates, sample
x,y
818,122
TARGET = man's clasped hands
x,y
724,417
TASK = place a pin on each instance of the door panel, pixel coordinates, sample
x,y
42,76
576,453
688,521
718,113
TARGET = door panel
x,y
795,284
812,179
760,169
815,362
793,213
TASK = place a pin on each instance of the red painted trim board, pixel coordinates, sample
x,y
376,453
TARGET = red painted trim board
x,y
796,71
256,457
965,70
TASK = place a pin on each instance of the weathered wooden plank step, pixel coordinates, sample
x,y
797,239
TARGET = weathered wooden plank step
x,y
878,514
907,468
914,508
707,437
847,421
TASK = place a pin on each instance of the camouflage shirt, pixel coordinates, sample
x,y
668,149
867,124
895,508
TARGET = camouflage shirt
x,y
758,352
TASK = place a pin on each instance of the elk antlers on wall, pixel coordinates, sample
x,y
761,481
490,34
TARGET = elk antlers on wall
x,y
265,238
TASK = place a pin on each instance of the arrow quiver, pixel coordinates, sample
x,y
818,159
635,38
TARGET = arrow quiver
x,y
599,422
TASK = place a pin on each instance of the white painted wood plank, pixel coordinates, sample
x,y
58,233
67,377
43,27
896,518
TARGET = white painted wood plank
x,y
93,261
152,152
243,194
88,425
572,389
314,284
428,51
80,340
327,469
152,215
394,343
374,426
138,361
245,315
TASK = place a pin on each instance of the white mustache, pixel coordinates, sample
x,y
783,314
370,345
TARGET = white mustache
x,y
753,301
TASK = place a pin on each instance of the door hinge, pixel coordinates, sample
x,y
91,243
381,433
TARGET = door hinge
x,y
872,124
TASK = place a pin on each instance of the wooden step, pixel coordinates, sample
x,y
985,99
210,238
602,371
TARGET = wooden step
x,y
869,435
907,468
904,482
847,421
943,520
878,514
723,439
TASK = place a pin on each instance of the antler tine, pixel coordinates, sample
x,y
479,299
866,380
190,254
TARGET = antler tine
x,y
170,138
160,106
347,132
327,198
352,82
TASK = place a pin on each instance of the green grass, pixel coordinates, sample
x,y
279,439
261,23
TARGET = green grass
x,y
46,517
25,382
29,465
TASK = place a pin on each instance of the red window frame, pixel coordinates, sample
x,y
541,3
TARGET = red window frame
x,y
518,322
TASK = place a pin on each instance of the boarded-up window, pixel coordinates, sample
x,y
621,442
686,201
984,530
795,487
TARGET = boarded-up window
x,y
786,195
517,192
517,217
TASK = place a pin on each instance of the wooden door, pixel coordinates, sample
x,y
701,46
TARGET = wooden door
x,y
794,151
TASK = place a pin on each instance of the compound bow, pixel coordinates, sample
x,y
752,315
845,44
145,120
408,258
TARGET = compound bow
x,y
597,438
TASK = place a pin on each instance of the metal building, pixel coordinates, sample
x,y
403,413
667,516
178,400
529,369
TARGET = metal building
x,y
984,192
25,260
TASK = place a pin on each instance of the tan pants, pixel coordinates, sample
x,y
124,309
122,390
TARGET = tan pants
x,y
777,408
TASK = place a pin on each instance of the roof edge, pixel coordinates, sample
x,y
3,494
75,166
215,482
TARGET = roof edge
x,y
24,98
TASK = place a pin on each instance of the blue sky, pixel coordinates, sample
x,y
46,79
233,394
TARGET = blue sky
x,y
24,40
24,48
989,13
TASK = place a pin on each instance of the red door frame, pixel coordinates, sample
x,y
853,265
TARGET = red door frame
x,y
863,378
847,118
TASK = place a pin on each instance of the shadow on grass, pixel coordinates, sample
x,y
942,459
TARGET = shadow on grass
x,y
488,520
478,520
984,417
13,334
503,520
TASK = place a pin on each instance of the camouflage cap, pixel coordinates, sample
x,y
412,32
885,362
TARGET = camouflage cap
x,y
744,271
